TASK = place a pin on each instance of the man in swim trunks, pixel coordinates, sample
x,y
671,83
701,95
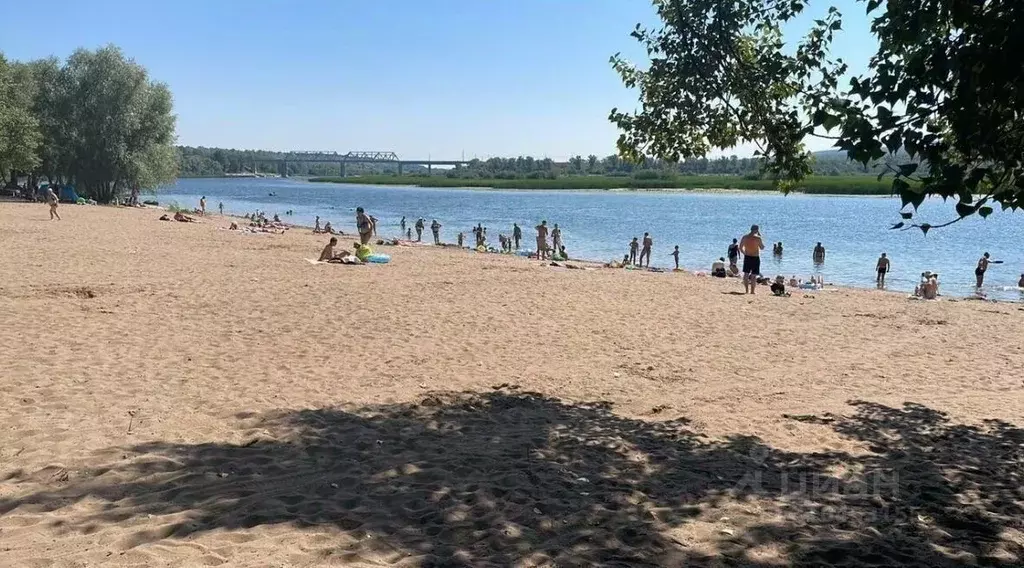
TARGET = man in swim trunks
x,y
556,238
882,268
645,250
517,234
751,246
435,228
542,240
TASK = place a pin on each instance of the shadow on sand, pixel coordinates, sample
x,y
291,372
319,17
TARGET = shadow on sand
x,y
507,477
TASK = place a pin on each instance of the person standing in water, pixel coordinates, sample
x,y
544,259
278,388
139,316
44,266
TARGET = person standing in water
x,y
983,262
634,248
882,268
202,205
675,256
364,226
51,198
734,252
419,229
556,238
542,240
645,250
435,228
220,206
402,224
819,254
517,235
751,246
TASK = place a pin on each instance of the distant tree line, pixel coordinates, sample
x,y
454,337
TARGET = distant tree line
x,y
214,162
825,163
95,120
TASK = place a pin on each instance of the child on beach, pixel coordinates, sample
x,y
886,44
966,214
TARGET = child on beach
x,y
675,256
461,238
634,249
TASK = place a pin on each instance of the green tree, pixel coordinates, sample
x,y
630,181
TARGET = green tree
x,y
576,163
120,128
19,128
945,86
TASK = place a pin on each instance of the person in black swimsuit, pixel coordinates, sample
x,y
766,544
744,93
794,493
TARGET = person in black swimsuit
x,y
881,268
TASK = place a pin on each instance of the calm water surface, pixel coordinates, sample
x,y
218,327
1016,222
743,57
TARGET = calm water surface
x,y
599,225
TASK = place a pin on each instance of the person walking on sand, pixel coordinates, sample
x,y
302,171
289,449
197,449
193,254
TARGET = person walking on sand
x,y
675,256
364,226
556,238
882,268
819,254
202,205
645,250
983,262
634,248
316,227
51,198
542,240
435,228
751,246
419,229
517,234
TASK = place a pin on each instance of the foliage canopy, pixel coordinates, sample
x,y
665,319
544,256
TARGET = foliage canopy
x,y
946,86
95,120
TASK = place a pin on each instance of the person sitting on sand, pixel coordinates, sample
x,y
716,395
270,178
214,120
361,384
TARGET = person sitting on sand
x,y
778,287
233,226
562,253
328,229
734,270
328,253
276,218
362,251
718,268
793,282
164,217
675,256
929,289
179,216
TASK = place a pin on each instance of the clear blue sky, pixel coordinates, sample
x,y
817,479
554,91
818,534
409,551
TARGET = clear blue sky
x,y
419,77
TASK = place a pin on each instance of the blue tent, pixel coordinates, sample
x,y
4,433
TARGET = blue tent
x,y
68,195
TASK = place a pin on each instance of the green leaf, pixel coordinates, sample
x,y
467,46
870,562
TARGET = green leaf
x,y
907,170
897,226
985,211
925,227
964,209
906,215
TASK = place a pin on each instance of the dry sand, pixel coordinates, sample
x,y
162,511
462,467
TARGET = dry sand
x,y
454,409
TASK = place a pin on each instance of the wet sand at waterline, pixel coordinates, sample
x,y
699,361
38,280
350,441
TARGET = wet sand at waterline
x,y
180,395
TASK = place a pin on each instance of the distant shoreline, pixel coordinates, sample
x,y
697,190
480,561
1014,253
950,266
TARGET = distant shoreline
x,y
818,185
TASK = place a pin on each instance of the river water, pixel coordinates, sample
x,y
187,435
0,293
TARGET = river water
x,y
599,226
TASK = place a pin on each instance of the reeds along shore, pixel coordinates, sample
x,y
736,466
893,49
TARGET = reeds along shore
x,y
175,394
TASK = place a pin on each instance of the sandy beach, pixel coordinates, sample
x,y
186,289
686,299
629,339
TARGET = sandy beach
x,y
178,394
